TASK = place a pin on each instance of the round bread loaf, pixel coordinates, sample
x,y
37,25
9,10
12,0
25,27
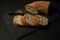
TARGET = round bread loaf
x,y
19,20
38,7
42,20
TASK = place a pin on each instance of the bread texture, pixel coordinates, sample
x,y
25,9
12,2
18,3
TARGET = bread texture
x,y
30,19
19,20
42,20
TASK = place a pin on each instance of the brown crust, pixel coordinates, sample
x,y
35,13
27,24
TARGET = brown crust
x,y
23,20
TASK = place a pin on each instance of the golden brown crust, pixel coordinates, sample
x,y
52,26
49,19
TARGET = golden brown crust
x,y
23,20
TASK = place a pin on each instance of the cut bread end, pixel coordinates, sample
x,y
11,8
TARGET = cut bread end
x,y
31,9
17,20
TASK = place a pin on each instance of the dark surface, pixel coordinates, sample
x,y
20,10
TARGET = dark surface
x,y
10,32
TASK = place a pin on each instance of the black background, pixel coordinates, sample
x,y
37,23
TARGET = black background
x,y
10,32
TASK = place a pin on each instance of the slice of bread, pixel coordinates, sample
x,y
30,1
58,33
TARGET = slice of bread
x,y
18,20
42,20
30,19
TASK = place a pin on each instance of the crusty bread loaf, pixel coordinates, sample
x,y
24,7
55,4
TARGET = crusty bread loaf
x,y
38,7
19,20
42,20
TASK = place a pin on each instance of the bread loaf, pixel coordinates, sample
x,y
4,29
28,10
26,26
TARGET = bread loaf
x,y
38,7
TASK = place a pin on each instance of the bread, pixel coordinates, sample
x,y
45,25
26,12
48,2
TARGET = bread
x,y
38,7
19,20
30,19
26,19
42,20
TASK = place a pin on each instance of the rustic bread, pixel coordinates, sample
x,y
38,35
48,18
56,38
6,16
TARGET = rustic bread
x,y
38,7
30,19
42,20
19,20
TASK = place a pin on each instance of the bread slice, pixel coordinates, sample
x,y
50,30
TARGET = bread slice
x,y
42,20
18,20
30,19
